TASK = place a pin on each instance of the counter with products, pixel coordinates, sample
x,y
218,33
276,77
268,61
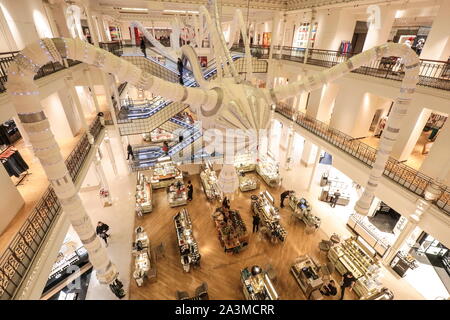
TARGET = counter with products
x,y
302,210
263,206
256,285
245,162
268,169
158,135
144,263
247,183
306,273
187,244
333,186
232,232
356,256
144,193
177,194
208,178
164,174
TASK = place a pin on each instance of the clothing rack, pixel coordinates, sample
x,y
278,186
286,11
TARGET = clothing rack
x,y
5,154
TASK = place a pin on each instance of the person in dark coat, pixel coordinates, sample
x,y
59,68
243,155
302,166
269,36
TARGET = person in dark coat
x,y
143,47
226,203
130,152
190,190
180,70
283,196
101,230
348,281
256,220
329,289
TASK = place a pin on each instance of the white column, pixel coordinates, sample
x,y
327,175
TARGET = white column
x,y
314,170
308,42
309,154
92,27
437,46
107,142
410,131
106,198
74,95
290,147
437,162
404,234
87,74
107,88
380,28
275,29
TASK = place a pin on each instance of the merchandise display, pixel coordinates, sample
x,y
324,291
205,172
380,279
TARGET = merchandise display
x,y
177,194
245,162
158,135
232,232
257,285
333,186
164,174
144,264
144,194
306,273
247,183
355,256
376,239
13,162
187,244
302,210
263,205
269,170
208,178
402,262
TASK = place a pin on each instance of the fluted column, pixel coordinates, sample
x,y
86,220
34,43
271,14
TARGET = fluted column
x,y
87,74
76,100
92,28
308,41
290,147
105,191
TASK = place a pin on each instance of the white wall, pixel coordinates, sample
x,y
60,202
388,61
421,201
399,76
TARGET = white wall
x,y
54,111
10,200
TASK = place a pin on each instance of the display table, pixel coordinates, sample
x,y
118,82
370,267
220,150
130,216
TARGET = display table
x,y
257,287
144,263
306,272
177,194
144,193
208,178
301,209
334,185
268,169
355,256
231,229
245,162
158,135
263,206
187,244
164,174
247,183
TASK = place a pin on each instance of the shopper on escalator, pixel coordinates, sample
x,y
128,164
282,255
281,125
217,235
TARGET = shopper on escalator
x,y
165,148
180,70
143,47
130,152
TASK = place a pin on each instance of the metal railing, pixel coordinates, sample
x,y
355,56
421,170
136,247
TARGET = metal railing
x,y
402,174
433,74
7,57
18,256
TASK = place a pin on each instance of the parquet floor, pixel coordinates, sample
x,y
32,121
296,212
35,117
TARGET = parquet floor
x,y
221,271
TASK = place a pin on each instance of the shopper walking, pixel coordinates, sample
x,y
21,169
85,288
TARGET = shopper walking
x,y
130,152
180,70
101,230
143,47
226,203
348,281
335,198
284,195
256,220
190,191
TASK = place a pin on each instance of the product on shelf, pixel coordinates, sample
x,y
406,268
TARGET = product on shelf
x,y
143,194
245,162
232,232
256,285
208,178
247,183
263,205
164,174
268,169
187,244
306,273
334,185
144,266
302,209
177,194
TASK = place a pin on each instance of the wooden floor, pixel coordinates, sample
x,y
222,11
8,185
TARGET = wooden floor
x,y
219,270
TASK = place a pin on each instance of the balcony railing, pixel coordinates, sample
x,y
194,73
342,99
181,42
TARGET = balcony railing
x,y
434,74
18,257
7,57
402,174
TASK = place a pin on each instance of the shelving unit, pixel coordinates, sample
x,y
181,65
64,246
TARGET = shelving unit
x,y
187,244
208,178
177,194
164,174
245,162
305,272
268,169
257,287
144,193
233,234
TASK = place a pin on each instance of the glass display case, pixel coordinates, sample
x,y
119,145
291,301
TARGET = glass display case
x,y
247,183
333,186
306,273
144,262
232,231
177,194
143,193
208,178
263,206
269,171
164,174
256,285
245,162
302,210
186,242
